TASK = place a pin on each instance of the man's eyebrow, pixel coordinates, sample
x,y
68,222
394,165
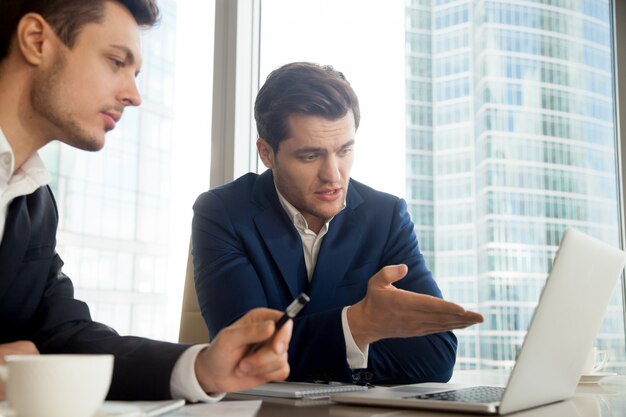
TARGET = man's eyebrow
x,y
309,150
347,144
313,149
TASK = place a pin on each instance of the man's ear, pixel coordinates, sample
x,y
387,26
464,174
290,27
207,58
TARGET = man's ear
x,y
32,34
266,153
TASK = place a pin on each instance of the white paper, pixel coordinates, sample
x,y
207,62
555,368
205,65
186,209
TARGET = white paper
x,y
138,408
220,409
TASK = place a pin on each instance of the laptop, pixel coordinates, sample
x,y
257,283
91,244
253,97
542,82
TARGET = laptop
x,y
549,363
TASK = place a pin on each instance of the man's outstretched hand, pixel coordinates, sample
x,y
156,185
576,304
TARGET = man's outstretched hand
x,y
387,311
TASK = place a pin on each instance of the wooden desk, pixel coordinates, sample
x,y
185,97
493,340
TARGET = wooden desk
x,y
606,399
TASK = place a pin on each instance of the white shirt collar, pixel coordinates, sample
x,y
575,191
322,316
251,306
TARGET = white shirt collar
x,y
32,170
6,161
24,181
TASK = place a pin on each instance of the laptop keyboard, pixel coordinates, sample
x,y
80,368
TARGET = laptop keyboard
x,y
481,394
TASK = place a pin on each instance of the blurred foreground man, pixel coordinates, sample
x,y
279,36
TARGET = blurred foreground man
x,y
67,72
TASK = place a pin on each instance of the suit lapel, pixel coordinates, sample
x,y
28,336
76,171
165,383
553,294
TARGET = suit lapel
x,y
14,242
338,248
280,235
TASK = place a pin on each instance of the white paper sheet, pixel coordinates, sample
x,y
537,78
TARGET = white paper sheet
x,y
138,408
220,409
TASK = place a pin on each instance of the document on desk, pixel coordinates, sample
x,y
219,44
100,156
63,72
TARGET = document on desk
x,y
302,389
171,408
220,409
138,408
121,408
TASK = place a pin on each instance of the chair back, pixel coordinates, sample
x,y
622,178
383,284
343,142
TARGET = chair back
x,y
192,327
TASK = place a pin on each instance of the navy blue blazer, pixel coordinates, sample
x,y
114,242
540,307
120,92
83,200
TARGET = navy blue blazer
x,y
37,303
247,253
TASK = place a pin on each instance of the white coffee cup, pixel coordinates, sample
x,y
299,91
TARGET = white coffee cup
x,y
595,361
56,385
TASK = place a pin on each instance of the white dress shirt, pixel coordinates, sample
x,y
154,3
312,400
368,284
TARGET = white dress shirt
x,y
311,242
26,180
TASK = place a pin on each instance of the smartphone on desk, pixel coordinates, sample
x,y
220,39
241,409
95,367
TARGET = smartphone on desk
x,y
291,311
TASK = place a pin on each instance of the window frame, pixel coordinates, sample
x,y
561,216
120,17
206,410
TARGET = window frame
x,y
235,85
619,77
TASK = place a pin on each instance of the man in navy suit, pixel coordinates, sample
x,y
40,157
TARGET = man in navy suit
x,y
67,72
376,315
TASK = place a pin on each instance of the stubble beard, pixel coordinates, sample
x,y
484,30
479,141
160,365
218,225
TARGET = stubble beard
x,y
47,99
321,214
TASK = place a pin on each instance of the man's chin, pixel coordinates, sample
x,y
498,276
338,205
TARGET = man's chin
x,y
330,212
92,144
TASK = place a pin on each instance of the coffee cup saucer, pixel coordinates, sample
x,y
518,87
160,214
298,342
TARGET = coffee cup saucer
x,y
595,377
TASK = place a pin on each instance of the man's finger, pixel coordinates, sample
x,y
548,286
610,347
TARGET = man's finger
x,y
426,303
390,274
242,334
282,337
472,315
249,381
436,319
22,347
262,363
259,314
277,374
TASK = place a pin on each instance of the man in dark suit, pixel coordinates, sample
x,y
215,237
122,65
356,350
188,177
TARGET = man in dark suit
x,y
67,71
376,314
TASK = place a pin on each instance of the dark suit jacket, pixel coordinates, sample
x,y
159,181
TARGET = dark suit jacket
x,y
247,253
37,304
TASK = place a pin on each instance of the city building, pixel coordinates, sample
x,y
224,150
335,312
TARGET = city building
x,y
510,141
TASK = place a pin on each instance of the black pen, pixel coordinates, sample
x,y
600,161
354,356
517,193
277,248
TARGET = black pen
x,y
291,311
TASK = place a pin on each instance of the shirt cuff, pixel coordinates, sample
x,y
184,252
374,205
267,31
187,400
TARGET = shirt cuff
x,y
357,359
183,382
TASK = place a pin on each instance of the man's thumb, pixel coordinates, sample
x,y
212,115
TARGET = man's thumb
x,y
390,274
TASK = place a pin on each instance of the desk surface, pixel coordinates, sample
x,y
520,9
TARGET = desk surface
x,y
606,399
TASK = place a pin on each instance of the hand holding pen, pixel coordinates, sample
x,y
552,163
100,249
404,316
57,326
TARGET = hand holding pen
x,y
242,367
226,364
291,311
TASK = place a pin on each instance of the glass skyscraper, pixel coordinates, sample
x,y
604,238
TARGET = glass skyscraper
x,y
114,207
510,140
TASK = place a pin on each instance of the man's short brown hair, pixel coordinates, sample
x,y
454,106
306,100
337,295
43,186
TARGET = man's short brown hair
x,y
67,17
302,88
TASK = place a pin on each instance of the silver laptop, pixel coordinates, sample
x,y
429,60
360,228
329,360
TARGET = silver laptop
x,y
549,363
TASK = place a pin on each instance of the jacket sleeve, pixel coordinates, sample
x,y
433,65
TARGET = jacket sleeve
x,y
37,303
416,359
142,367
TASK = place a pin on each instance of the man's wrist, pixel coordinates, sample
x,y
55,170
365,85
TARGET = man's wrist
x,y
207,383
359,332
184,383
357,358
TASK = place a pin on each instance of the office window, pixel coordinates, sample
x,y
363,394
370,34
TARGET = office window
x,y
125,212
506,137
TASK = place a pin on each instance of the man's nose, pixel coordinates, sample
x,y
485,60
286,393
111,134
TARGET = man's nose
x,y
130,95
329,172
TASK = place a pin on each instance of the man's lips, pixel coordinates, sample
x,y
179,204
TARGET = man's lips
x,y
110,119
330,194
